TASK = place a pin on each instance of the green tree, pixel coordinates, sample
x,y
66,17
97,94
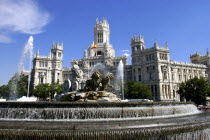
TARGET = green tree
x,y
42,91
196,90
12,84
22,86
55,88
4,91
135,90
18,85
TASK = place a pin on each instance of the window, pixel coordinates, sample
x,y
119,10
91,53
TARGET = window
x,y
180,77
54,55
150,57
185,77
200,72
59,55
153,57
164,76
100,37
139,77
139,70
134,77
45,64
99,53
42,80
150,76
147,58
165,57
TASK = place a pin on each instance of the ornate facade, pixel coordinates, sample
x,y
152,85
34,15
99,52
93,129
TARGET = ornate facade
x,y
150,66
48,69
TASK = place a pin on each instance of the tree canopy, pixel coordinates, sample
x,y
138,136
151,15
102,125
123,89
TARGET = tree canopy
x,y
55,88
195,90
41,91
44,91
135,90
16,87
4,91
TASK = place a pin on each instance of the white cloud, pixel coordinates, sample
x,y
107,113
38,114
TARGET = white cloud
x,y
21,16
4,38
125,50
126,54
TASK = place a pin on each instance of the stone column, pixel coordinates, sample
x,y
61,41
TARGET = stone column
x,y
166,92
163,91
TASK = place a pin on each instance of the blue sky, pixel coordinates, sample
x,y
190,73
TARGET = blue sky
x,y
185,24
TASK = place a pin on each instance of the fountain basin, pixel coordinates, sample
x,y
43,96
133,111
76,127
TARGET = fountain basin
x,y
94,111
2,100
89,121
27,99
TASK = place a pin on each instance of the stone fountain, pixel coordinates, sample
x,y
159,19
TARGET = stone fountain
x,y
102,120
97,88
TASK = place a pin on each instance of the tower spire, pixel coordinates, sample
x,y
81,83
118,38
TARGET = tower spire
x,y
97,21
155,44
166,44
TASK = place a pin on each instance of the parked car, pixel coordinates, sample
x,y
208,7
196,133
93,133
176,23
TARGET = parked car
x,y
201,107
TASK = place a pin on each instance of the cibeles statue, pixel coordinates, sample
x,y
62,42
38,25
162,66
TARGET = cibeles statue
x,y
76,78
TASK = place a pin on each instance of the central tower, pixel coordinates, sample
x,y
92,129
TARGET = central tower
x,y
101,32
101,46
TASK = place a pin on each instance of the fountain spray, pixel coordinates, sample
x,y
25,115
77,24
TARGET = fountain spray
x,y
120,79
26,59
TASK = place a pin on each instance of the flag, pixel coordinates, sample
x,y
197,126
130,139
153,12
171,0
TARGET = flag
x,y
93,46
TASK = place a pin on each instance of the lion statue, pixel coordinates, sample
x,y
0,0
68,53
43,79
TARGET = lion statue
x,y
93,83
96,85
105,82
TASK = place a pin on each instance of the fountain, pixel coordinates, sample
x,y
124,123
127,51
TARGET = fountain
x,y
102,120
97,88
119,82
89,118
25,62
100,68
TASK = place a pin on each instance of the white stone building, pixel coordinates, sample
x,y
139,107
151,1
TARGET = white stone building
x,y
48,69
103,51
153,67
150,66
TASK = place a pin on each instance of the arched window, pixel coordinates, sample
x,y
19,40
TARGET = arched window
x,y
99,53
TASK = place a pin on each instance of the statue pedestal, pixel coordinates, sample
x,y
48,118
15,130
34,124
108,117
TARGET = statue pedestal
x,y
100,96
